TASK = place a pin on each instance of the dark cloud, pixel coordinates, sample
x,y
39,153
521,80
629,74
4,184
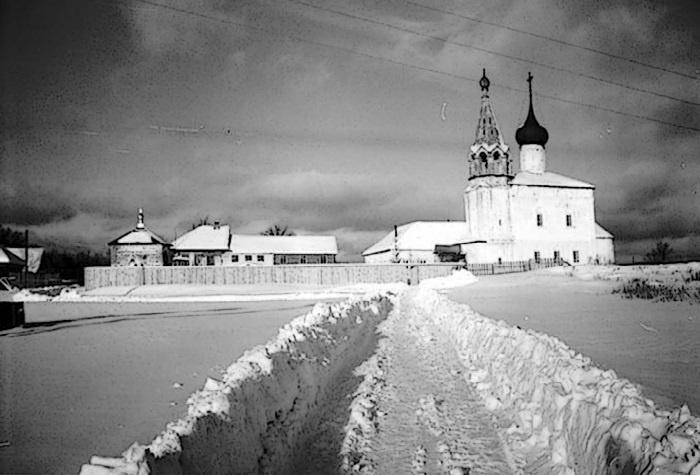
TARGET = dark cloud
x,y
23,204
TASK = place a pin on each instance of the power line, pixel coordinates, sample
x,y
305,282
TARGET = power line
x,y
554,40
406,65
492,52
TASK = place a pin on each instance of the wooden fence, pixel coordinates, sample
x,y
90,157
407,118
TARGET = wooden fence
x,y
312,274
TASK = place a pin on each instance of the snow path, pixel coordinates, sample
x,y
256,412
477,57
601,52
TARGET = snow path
x,y
431,419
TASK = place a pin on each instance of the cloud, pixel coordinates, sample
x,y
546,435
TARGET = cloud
x,y
24,204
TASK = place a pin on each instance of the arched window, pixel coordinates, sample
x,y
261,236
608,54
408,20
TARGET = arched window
x,y
483,158
496,155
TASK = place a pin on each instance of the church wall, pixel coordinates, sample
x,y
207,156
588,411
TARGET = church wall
x,y
136,255
553,204
605,250
487,212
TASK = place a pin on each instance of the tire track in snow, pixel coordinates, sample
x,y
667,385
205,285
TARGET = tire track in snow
x,y
427,407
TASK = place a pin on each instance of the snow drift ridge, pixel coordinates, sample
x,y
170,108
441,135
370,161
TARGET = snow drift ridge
x,y
253,420
564,415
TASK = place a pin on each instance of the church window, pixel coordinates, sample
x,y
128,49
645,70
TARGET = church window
x,y
248,258
576,256
303,260
261,258
500,261
234,258
556,255
499,222
482,156
568,220
539,220
537,256
496,155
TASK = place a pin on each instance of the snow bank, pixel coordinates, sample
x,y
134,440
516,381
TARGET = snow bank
x,y
564,415
458,278
253,420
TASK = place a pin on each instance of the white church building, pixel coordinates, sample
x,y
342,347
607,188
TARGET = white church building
x,y
533,214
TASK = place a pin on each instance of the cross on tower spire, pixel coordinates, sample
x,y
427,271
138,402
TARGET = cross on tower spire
x,y
529,84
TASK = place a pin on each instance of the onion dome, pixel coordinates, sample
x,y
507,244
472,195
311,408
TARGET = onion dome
x,y
531,132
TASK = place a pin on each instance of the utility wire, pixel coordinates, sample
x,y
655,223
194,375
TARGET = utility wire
x,y
400,63
489,51
554,40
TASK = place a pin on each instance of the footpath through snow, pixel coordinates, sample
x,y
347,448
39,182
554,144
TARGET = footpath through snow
x,y
446,391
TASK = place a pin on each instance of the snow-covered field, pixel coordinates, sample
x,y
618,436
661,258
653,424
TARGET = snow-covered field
x,y
444,389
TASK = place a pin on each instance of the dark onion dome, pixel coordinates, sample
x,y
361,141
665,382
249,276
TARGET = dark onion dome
x,y
531,132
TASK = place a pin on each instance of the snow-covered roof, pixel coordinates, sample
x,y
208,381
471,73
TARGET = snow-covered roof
x,y
138,236
601,232
9,258
423,236
257,244
548,179
204,238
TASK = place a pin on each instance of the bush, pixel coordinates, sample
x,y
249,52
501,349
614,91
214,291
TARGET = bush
x,y
643,289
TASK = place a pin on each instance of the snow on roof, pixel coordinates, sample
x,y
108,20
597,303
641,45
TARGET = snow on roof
x,y
256,244
601,232
548,179
423,236
138,236
9,258
204,238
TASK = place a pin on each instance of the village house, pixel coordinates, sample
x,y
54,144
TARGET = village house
x,y
138,247
533,214
214,245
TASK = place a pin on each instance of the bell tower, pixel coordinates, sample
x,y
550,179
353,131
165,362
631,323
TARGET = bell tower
x,y
532,138
489,155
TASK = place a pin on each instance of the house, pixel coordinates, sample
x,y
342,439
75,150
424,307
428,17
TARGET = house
x,y
275,250
205,245
138,247
531,214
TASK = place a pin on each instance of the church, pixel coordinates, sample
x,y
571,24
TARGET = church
x,y
532,214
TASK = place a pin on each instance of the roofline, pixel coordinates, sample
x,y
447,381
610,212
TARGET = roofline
x,y
587,186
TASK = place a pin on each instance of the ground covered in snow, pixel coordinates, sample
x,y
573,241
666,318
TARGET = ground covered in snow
x,y
653,343
446,391
82,386
442,389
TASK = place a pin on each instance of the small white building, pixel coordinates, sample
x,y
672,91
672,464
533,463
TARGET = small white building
x,y
532,214
254,249
205,245
138,247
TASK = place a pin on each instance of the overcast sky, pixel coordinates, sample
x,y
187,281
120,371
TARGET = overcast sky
x,y
220,111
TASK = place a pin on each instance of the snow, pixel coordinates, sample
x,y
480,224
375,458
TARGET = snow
x,y
548,179
251,419
256,244
138,236
458,278
204,238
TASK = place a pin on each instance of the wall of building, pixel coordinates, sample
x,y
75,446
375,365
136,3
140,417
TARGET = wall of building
x,y
136,255
605,251
554,204
486,208
403,256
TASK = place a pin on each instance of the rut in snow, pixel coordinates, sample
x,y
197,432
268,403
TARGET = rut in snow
x,y
430,419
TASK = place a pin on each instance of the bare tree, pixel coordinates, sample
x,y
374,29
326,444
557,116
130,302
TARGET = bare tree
x,y
660,253
277,230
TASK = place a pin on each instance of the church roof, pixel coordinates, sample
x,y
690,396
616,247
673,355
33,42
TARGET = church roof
x,y
487,130
531,132
602,233
548,179
257,244
422,236
138,236
204,238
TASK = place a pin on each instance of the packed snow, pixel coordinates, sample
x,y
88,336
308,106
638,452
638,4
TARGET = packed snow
x,y
445,390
